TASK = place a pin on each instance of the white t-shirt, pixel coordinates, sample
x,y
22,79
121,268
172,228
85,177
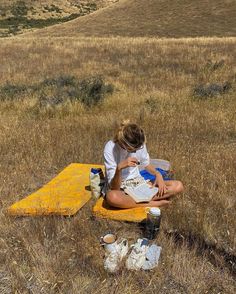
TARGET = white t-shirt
x,y
114,154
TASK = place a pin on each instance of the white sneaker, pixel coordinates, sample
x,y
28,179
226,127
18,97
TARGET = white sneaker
x,y
113,259
137,256
152,257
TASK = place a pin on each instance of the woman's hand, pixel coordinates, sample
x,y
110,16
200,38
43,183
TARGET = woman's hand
x,y
130,161
161,185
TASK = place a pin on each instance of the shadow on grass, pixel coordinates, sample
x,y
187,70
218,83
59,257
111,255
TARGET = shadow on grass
x,y
218,257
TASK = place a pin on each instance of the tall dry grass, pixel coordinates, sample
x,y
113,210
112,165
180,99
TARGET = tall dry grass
x,y
154,81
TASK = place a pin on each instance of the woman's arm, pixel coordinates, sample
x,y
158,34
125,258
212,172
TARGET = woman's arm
x,y
158,181
116,181
113,170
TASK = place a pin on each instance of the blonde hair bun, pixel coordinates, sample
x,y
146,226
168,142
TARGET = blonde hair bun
x,y
125,123
130,135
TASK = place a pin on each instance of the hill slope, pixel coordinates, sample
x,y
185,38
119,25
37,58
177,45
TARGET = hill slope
x,y
161,18
17,16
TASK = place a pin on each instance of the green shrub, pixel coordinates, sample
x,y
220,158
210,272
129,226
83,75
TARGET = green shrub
x,y
46,100
214,65
92,90
211,90
151,104
52,8
55,91
2,11
9,91
13,30
60,81
19,8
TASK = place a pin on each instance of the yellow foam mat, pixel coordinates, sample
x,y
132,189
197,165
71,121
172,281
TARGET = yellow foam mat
x,y
103,210
63,195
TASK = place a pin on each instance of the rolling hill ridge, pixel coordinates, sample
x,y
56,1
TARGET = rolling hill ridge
x,y
154,18
17,16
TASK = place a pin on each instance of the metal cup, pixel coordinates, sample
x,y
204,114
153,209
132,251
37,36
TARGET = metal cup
x,y
109,242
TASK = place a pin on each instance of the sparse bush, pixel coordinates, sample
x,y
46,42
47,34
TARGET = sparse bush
x,y
71,17
211,90
50,100
13,30
53,8
10,91
55,91
2,11
93,6
86,6
93,89
214,65
90,91
61,81
152,104
19,9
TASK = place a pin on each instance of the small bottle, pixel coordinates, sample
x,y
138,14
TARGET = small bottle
x,y
96,181
153,222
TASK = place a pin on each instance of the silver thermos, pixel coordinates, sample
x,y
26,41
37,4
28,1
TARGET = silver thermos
x,y
153,222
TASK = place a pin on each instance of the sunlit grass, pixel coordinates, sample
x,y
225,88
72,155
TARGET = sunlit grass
x,y
154,83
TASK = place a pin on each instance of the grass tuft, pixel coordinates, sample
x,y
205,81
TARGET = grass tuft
x,y
211,90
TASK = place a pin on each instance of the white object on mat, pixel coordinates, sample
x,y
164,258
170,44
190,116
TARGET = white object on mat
x,y
113,259
137,257
152,257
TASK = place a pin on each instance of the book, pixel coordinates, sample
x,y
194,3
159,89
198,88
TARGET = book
x,y
142,192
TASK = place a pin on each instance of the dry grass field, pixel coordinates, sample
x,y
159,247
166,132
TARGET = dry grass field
x,y
182,91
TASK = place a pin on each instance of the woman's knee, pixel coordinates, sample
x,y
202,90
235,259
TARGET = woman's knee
x,y
112,197
179,187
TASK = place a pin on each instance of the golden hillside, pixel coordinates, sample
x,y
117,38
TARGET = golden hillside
x,y
161,18
17,16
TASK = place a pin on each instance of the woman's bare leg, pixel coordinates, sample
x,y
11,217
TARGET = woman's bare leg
x,y
119,199
173,188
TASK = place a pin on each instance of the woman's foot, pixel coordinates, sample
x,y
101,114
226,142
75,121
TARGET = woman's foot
x,y
159,203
